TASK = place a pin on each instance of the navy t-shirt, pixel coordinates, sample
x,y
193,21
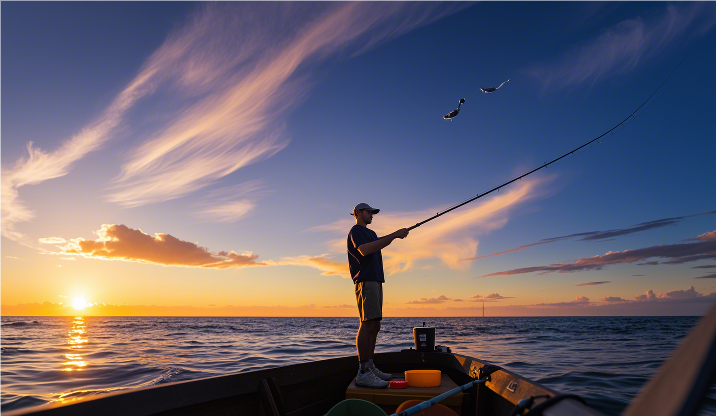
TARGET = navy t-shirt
x,y
364,268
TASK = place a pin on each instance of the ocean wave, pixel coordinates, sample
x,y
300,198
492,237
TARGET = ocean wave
x,y
13,402
20,324
169,375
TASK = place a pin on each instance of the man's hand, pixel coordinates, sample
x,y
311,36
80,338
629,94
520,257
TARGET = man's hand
x,y
370,248
401,233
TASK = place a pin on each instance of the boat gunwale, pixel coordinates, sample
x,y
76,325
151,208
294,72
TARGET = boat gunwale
x,y
173,396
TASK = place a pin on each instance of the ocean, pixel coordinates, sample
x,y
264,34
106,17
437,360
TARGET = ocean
x,y
606,360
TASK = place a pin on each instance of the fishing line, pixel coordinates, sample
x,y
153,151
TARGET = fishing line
x,y
578,150
615,132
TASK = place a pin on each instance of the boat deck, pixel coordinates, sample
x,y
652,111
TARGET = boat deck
x,y
389,399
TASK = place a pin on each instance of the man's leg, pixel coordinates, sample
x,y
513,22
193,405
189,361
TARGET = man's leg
x,y
365,341
373,338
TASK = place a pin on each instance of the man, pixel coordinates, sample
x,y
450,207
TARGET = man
x,y
366,267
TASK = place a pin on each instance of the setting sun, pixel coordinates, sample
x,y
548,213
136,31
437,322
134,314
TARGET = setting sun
x,y
79,303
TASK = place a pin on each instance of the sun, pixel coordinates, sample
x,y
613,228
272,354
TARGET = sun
x,y
79,303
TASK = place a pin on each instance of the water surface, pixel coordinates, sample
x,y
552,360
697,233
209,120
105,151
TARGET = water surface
x,y
606,360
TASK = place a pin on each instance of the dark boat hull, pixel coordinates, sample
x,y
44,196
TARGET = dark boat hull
x,y
307,389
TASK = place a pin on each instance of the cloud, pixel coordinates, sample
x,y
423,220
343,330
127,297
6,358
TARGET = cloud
x,y
627,45
40,166
230,204
458,300
429,301
708,266
692,304
705,248
119,242
14,258
451,237
52,240
604,235
233,66
637,275
648,296
578,301
710,236
708,276
239,64
508,251
594,283
687,294
492,297
323,263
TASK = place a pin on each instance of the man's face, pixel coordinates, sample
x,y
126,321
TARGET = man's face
x,y
366,216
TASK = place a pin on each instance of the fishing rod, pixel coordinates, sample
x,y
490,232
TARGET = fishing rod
x,y
621,124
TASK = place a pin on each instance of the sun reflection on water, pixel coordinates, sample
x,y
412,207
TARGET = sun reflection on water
x,y
76,337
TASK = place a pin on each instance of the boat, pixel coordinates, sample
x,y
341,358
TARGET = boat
x,y
314,388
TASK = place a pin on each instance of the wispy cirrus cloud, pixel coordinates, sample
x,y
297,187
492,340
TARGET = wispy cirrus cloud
x,y
40,165
449,238
520,248
704,248
232,69
239,64
119,242
230,204
603,235
593,283
708,276
626,45
324,263
52,240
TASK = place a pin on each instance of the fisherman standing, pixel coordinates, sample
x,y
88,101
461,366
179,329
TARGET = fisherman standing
x,y
366,267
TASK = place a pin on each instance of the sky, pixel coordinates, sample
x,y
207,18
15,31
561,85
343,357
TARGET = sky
x,y
203,158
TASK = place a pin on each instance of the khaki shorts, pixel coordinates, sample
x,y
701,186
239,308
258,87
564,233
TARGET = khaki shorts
x,y
369,296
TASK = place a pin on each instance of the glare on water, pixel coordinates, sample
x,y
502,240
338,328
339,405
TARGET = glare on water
x,y
76,338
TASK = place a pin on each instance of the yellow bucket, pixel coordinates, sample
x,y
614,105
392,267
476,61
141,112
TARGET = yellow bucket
x,y
423,378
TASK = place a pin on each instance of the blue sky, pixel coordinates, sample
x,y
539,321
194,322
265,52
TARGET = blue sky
x,y
256,128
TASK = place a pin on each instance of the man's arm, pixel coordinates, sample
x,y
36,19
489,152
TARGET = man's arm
x,y
377,245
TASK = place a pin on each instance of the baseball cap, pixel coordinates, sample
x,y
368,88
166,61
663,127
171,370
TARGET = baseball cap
x,y
366,207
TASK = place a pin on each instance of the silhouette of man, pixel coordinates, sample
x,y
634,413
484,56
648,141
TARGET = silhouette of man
x,y
366,266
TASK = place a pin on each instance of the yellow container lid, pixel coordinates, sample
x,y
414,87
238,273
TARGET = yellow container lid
x,y
423,378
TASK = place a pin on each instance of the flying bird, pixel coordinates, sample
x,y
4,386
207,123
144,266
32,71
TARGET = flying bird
x,y
453,113
493,89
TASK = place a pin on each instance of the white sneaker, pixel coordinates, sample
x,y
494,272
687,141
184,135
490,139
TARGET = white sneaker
x,y
381,375
368,379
